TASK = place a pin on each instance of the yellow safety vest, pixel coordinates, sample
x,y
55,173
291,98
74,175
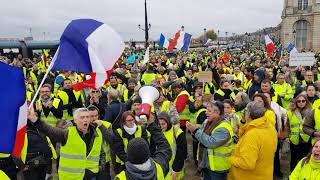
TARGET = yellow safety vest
x,y
121,88
65,99
316,104
147,78
125,141
171,135
304,171
56,85
24,150
50,119
105,145
159,171
207,88
165,107
73,156
296,129
185,114
219,157
240,77
3,176
221,93
247,84
234,120
316,121
29,96
195,116
286,89
2,155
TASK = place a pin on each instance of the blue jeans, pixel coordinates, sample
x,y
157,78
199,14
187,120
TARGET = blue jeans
x,y
211,175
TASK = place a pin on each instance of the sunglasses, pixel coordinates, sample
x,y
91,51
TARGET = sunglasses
x,y
95,91
301,101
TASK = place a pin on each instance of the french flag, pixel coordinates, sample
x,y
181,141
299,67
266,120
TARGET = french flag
x,y
206,42
163,41
291,48
88,46
180,41
13,110
270,47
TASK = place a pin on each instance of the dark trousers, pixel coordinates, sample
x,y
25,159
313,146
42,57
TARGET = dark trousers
x,y
104,173
195,145
276,160
8,166
211,175
118,168
38,173
298,152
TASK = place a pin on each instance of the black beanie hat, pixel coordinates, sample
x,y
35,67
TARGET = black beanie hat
x,y
138,151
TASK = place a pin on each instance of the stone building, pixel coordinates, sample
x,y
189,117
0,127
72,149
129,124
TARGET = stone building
x,y
301,24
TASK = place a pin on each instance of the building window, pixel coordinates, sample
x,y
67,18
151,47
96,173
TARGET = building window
x,y
301,34
302,4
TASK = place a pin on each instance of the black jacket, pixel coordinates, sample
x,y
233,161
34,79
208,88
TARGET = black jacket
x,y
114,112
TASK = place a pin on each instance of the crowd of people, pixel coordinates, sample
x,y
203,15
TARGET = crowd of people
x,y
236,124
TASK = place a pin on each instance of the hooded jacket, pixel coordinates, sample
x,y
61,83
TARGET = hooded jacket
x,y
253,155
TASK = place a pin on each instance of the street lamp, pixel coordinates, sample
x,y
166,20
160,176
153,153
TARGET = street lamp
x,y
227,38
147,26
294,37
218,38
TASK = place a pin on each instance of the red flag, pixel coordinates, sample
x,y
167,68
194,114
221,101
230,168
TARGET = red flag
x,y
91,83
174,42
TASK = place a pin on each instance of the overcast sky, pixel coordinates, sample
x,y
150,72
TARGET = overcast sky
x,y
165,16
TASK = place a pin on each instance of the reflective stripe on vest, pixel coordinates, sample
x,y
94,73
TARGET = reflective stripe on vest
x,y
296,129
185,114
159,171
73,158
219,157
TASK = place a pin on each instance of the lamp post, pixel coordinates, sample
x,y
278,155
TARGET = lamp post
x,y
227,38
147,26
218,38
294,37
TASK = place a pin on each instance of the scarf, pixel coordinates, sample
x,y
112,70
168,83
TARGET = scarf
x,y
130,130
146,171
210,125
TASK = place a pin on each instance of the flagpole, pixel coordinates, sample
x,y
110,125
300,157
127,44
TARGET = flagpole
x,y
43,79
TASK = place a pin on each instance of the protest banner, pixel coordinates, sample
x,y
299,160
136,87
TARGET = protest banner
x,y
205,76
302,59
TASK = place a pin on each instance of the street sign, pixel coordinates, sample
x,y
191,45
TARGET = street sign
x,y
303,59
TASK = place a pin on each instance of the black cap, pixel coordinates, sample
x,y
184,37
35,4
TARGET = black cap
x,y
138,151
